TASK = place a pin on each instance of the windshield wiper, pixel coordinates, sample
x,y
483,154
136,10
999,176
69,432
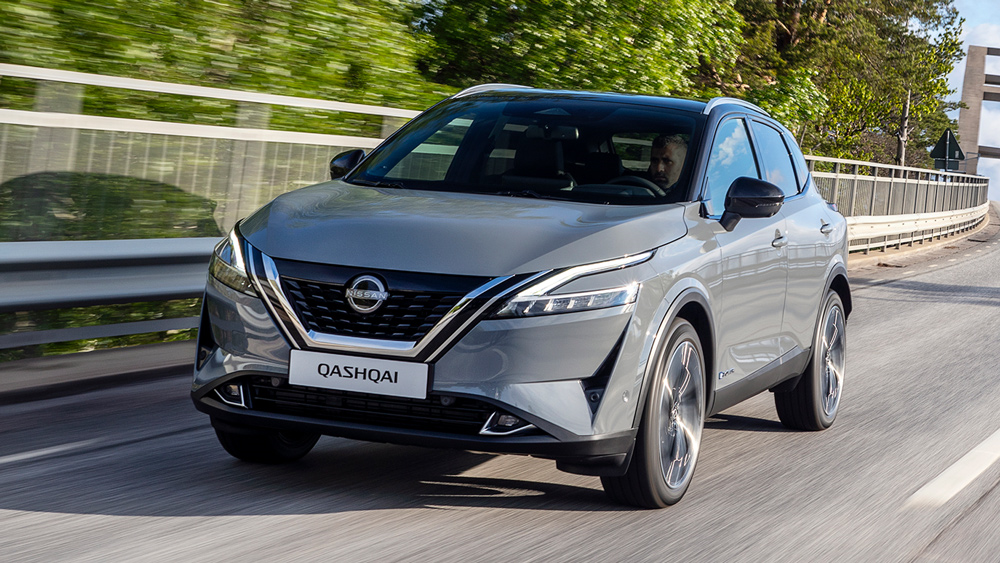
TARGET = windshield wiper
x,y
377,184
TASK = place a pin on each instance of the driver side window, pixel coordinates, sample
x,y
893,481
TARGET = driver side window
x,y
731,157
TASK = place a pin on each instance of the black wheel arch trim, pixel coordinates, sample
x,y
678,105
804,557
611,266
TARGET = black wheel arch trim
x,y
706,333
838,281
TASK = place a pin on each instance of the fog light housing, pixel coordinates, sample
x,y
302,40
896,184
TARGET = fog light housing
x,y
232,394
504,424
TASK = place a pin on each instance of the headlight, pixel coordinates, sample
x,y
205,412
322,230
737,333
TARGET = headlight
x,y
228,266
536,300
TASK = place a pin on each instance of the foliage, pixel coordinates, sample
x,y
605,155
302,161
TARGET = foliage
x,y
645,46
837,72
331,49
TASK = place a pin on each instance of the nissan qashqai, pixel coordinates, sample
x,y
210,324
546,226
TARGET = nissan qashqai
x,y
575,276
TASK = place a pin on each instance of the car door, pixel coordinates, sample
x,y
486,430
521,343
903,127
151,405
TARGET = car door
x,y
809,223
753,263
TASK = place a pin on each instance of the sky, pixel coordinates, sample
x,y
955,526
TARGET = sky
x,y
982,27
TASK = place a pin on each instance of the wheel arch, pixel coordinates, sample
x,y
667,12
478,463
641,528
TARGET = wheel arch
x,y
693,306
838,282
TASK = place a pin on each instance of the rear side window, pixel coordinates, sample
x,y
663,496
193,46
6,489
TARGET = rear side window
x,y
731,157
776,158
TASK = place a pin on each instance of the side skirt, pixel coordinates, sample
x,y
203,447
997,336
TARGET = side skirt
x,y
783,371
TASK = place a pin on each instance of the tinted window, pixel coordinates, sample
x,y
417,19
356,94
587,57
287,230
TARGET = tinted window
x,y
775,158
731,157
551,146
431,159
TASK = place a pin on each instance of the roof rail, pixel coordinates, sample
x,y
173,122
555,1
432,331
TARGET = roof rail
x,y
735,101
486,88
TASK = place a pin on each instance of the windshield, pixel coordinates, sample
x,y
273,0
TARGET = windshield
x,y
541,146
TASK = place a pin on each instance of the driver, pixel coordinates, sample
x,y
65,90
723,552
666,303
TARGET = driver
x,y
666,162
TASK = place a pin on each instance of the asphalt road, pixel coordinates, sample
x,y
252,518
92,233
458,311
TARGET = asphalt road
x,y
135,473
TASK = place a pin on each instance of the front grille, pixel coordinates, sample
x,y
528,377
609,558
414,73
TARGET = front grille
x,y
465,416
406,316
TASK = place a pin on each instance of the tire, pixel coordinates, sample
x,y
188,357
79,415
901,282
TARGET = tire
x,y
669,436
266,446
813,403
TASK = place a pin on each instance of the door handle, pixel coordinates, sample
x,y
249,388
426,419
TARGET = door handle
x,y
779,242
826,229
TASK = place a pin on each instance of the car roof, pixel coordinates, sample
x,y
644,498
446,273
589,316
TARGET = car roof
x,y
695,106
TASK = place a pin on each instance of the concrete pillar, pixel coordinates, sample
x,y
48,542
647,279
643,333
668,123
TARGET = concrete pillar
x,y
977,87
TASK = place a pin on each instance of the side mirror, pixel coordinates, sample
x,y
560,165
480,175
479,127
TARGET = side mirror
x,y
345,162
751,198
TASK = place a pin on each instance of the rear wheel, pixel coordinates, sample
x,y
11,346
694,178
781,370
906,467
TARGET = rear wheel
x,y
669,435
813,403
266,446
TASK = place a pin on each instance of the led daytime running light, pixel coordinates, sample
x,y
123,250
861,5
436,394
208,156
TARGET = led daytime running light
x,y
536,300
531,306
227,265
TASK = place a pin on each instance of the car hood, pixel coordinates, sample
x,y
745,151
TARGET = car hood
x,y
453,233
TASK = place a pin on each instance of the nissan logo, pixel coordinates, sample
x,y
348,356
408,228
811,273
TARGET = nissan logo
x,y
365,294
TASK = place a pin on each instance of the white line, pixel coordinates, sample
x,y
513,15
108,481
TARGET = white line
x,y
37,73
46,451
951,481
97,123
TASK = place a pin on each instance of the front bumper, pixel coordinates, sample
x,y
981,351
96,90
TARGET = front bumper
x,y
589,455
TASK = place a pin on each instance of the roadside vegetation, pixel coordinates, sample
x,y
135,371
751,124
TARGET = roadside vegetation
x,y
851,77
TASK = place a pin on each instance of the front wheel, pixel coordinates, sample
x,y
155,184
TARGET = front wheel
x,y
669,435
266,446
813,403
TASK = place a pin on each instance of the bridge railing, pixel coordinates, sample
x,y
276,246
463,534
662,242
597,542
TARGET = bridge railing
x,y
889,205
231,171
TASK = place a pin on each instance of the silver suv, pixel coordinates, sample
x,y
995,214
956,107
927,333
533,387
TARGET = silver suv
x,y
574,276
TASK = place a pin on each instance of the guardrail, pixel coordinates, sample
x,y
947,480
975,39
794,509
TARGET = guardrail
x,y
242,167
889,205
60,274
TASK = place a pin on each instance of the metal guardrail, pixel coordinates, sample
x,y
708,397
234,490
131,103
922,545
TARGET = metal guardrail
x,y
62,274
868,233
888,205
243,167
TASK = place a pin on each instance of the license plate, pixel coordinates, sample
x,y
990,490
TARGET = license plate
x,y
352,373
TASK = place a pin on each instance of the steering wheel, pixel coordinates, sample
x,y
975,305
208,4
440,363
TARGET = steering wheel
x,y
638,181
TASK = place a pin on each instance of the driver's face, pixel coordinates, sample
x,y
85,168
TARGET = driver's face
x,y
665,164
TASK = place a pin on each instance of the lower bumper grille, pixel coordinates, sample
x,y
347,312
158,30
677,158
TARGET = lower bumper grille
x,y
464,416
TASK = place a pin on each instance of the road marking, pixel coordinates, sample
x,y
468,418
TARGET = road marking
x,y
933,266
46,451
951,481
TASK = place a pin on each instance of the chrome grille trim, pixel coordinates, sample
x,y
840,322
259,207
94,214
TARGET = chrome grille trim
x,y
269,284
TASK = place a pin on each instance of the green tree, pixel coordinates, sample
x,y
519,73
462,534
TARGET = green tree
x,y
841,71
645,46
333,49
